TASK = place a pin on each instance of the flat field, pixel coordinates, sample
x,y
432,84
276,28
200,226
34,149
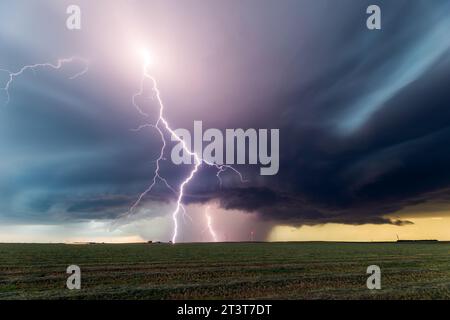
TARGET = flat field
x,y
226,270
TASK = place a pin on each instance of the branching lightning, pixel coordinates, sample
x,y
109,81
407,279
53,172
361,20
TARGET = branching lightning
x,y
163,125
160,125
33,67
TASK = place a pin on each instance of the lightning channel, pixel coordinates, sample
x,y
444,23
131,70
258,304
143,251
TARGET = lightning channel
x,y
163,125
58,65
210,225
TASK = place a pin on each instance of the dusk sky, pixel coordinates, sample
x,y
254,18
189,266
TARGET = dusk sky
x,y
364,119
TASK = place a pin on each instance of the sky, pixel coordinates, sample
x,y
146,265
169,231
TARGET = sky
x,y
363,116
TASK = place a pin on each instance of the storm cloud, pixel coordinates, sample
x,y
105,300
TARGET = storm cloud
x,y
364,116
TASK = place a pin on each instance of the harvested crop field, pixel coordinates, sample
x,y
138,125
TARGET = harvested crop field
x,y
226,270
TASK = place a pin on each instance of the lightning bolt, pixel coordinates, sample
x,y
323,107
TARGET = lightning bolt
x,y
58,65
209,224
163,125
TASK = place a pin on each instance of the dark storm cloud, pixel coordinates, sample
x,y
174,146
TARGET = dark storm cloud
x,y
340,164
364,116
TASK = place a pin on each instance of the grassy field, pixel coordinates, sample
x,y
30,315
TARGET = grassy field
x,y
234,270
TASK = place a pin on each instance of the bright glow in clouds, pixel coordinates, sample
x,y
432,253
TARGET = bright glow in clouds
x,y
147,57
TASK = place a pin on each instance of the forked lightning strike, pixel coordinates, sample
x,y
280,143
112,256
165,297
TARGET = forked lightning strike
x,y
56,66
161,124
